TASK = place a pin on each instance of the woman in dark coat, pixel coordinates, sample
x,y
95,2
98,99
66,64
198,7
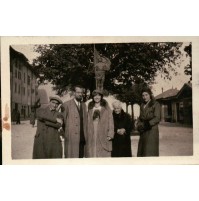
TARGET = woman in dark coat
x,y
122,128
148,121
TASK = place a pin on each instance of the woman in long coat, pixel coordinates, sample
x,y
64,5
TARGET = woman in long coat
x,y
100,127
122,128
148,121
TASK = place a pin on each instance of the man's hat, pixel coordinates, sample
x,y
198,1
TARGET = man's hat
x,y
56,98
97,91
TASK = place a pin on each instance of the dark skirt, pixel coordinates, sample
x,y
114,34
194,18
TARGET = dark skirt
x,y
121,146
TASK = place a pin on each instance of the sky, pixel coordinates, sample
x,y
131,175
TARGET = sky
x,y
176,81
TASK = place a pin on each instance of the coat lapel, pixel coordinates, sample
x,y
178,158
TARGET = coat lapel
x,y
75,105
102,111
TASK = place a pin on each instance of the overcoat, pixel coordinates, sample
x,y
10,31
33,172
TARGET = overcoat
x,y
47,143
72,128
105,128
122,143
149,140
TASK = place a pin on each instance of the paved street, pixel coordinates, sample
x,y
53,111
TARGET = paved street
x,y
175,140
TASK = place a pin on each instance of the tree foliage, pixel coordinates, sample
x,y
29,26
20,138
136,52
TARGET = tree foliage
x,y
131,95
66,65
188,68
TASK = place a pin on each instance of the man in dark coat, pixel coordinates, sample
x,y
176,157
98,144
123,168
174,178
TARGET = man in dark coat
x,y
75,119
47,143
18,117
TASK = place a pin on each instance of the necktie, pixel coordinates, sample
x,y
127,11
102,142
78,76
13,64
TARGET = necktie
x,y
78,104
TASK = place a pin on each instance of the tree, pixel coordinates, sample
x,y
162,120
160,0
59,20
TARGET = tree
x,y
131,95
188,68
66,65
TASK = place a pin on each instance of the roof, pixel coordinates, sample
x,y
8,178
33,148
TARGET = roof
x,y
189,84
173,93
167,94
185,89
18,55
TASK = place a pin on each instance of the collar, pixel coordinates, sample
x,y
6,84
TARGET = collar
x,y
77,101
97,108
51,109
147,103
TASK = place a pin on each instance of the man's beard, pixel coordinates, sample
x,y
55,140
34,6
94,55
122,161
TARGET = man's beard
x,y
78,98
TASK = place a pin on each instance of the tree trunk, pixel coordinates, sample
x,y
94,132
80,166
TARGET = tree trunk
x,y
132,115
126,107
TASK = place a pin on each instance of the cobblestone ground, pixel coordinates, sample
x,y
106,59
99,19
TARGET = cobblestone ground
x,y
22,140
175,140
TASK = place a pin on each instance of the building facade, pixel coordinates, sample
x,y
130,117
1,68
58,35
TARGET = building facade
x,y
176,105
23,80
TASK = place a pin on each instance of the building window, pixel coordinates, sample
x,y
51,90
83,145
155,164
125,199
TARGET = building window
x,y
19,65
19,89
15,87
33,91
24,91
16,73
28,92
28,80
15,63
19,75
24,78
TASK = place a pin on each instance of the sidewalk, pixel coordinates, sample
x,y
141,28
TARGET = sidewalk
x,y
175,140
169,124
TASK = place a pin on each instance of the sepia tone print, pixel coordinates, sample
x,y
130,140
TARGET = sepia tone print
x,y
101,99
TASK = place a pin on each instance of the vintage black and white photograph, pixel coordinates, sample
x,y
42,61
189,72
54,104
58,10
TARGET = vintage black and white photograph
x,y
101,99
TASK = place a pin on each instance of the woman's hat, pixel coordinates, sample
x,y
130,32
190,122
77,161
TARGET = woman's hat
x,y
56,98
97,91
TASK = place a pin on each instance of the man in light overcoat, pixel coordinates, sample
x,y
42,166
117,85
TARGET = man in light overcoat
x,y
75,120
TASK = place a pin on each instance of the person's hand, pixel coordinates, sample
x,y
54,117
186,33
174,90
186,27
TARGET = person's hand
x,y
59,121
140,127
59,107
60,129
121,131
109,138
147,125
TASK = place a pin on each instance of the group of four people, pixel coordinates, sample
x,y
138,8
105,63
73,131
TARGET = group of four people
x,y
94,130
